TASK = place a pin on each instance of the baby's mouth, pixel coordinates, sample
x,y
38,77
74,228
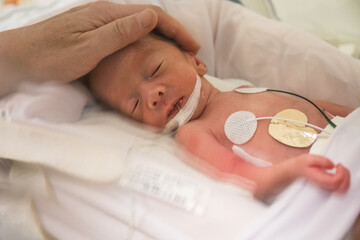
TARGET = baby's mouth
x,y
176,108
187,107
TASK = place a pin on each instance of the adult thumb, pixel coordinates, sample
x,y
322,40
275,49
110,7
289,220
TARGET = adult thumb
x,y
121,32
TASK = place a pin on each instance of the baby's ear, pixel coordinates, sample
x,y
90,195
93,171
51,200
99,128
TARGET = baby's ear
x,y
198,64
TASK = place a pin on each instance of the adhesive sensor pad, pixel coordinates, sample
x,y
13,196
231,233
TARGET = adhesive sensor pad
x,y
240,127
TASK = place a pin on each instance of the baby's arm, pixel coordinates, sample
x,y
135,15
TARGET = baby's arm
x,y
202,143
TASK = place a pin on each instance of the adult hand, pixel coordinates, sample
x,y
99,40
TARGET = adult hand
x,y
69,45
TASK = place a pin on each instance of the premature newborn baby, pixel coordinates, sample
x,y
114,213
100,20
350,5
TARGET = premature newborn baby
x,y
152,79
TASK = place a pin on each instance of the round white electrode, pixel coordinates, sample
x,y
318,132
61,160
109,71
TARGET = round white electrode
x,y
240,127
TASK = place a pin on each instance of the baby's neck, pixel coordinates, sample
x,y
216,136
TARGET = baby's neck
x,y
208,93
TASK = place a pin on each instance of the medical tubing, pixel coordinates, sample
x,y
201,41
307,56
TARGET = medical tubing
x,y
297,95
328,113
292,120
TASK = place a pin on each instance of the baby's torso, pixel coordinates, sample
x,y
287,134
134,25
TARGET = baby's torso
x,y
265,104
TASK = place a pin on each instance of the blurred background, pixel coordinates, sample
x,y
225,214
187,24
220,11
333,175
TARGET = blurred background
x,y
335,21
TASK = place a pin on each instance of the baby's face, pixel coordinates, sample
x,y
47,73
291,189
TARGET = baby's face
x,y
147,81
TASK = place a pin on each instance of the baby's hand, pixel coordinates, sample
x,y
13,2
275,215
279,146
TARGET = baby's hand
x,y
314,168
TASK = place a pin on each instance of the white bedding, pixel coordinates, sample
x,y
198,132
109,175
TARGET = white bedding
x,y
318,213
236,43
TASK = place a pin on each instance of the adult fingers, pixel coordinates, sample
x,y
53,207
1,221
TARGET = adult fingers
x,y
78,8
166,25
172,29
121,32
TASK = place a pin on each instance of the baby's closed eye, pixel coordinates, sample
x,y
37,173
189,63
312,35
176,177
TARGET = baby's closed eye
x,y
135,106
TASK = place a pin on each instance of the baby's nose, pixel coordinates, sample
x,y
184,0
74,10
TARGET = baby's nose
x,y
155,99
155,96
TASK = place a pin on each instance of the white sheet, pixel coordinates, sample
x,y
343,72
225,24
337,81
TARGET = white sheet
x,y
236,43
318,213
113,212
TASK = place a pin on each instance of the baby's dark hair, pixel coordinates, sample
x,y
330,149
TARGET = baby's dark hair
x,y
157,35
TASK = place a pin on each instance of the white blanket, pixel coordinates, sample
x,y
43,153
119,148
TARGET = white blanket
x,y
304,211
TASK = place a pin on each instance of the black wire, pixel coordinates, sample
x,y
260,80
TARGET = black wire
x,y
294,94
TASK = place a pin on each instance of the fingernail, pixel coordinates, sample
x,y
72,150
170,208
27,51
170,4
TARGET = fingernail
x,y
146,18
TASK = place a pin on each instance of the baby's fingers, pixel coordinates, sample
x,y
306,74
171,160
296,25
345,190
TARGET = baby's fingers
x,y
345,184
338,181
323,179
320,162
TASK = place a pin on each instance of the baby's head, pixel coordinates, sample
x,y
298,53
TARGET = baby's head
x,y
148,80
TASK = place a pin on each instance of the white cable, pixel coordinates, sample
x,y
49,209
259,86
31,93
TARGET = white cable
x,y
292,120
329,114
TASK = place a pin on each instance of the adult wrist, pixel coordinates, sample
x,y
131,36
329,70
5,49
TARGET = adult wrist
x,y
13,63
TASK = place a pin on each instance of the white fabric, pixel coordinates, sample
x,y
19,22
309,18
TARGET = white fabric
x,y
335,21
318,213
236,43
77,153
323,137
274,55
113,212
46,103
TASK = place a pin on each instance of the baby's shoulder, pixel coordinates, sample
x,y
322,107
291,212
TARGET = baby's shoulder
x,y
197,124
193,127
192,131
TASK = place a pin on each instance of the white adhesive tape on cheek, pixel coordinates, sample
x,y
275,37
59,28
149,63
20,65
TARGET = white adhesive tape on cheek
x,y
240,127
185,114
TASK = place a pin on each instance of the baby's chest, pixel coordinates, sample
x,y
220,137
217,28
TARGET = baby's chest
x,y
254,137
